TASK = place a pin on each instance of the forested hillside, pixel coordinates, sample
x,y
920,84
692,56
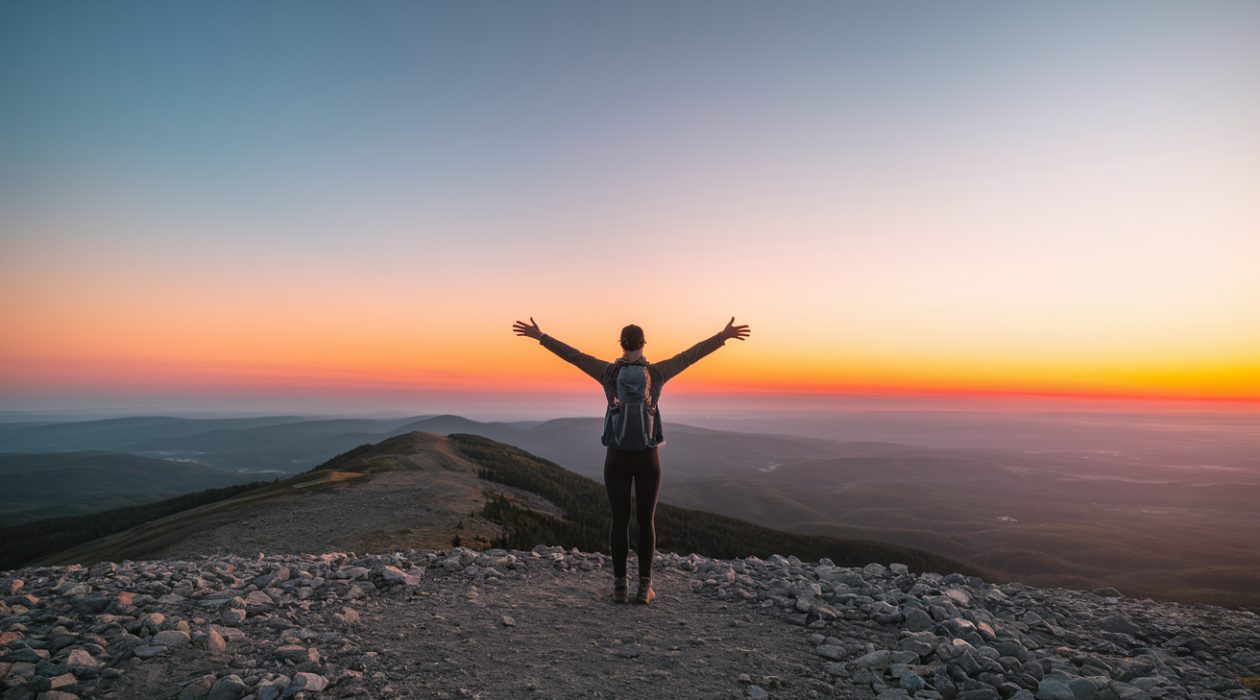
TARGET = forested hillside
x,y
586,519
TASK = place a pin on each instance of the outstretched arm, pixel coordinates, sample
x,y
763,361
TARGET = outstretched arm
x,y
531,330
592,366
731,330
671,367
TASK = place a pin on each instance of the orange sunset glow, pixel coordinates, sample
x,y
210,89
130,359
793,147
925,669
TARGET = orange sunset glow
x,y
1050,201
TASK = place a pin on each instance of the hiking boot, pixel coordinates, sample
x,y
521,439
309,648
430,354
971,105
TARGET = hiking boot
x,y
645,593
621,590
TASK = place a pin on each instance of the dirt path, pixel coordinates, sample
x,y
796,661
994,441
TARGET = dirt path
x,y
548,628
561,636
394,511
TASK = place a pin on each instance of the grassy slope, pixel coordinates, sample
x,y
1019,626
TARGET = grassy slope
x,y
582,500
29,541
141,541
678,529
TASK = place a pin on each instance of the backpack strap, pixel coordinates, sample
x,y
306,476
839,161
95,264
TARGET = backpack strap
x,y
614,371
610,382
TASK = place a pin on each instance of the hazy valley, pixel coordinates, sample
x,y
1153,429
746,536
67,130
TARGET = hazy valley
x,y
1170,513
50,485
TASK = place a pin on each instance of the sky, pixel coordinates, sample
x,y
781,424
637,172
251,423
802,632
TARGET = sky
x,y
303,205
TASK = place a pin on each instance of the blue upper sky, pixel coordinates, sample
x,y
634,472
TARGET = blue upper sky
x,y
972,194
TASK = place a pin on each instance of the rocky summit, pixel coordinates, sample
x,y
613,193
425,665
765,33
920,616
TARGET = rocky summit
x,y
510,624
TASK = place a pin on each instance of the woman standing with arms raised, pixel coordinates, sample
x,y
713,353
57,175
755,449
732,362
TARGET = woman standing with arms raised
x,y
632,434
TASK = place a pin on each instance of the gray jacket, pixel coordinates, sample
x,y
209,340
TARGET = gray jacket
x,y
606,372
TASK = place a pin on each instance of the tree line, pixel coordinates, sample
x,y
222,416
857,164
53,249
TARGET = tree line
x,y
587,519
21,544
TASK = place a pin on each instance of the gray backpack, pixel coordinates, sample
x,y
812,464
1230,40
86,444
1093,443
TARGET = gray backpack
x,y
631,421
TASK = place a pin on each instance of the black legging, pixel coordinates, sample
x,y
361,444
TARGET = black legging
x,y
642,468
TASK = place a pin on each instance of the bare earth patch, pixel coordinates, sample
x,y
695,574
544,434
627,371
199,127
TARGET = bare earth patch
x,y
393,511
561,636
550,634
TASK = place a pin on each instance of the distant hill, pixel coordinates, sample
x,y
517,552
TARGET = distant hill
x,y
291,445
420,490
38,486
286,444
118,433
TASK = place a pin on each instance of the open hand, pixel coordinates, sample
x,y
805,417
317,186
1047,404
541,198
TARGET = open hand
x,y
732,331
529,330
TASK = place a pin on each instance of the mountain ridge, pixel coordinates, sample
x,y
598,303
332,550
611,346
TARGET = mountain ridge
x,y
420,490
1142,522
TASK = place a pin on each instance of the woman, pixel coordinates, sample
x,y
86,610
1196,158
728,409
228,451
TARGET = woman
x,y
632,434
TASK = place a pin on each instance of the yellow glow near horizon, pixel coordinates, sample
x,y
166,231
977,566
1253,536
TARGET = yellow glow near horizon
x,y
1043,199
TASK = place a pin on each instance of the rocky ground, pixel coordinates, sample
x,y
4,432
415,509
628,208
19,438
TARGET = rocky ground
x,y
495,624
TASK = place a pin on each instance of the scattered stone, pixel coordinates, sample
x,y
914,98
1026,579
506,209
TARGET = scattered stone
x,y
831,651
148,652
393,573
297,653
875,659
259,600
918,621
1054,689
347,616
215,642
1082,688
171,638
229,687
65,681
1125,691
198,688
272,689
24,655
925,636
80,659
912,682
310,682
